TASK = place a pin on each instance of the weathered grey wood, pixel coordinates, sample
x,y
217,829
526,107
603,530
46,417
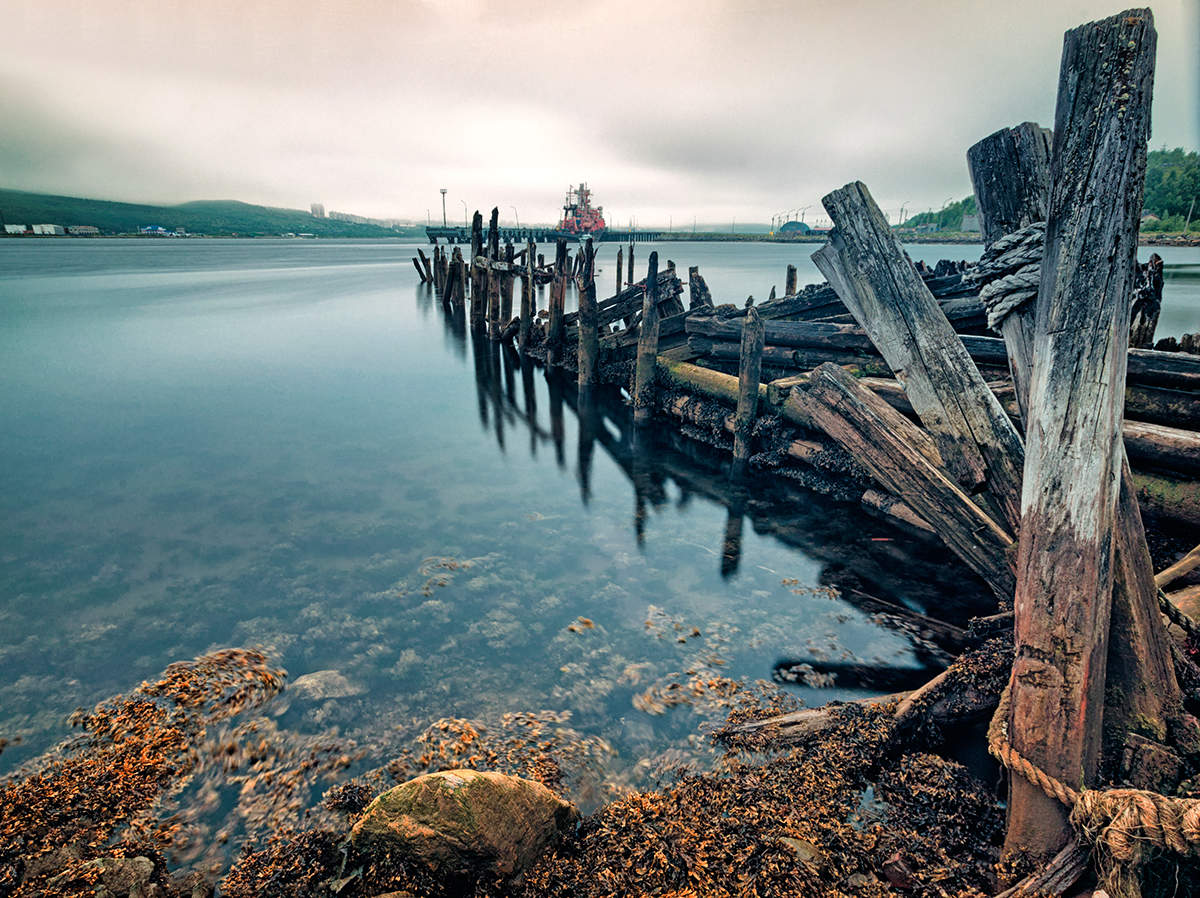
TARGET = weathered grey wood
x,y
589,335
1010,171
506,287
871,273
629,279
527,302
749,378
493,275
1073,460
620,270
1147,302
1179,569
478,275
907,463
558,288
428,276
417,265
699,296
789,285
628,303
647,350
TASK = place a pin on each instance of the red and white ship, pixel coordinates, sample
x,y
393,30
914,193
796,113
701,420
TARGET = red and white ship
x,y
580,218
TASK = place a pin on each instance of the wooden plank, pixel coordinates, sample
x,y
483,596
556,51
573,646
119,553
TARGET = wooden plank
x,y
871,273
1073,460
904,460
1179,569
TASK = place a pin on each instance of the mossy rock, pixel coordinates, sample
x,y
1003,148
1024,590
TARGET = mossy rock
x,y
464,822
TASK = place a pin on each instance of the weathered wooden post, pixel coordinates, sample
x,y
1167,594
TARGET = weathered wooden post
x,y
589,335
506,287
699,296
749,376
493,275
868,268
1010,171
620,257
417,265
425,264
629,279
647,348
558,289
789,287
478,274
526,301
1073,458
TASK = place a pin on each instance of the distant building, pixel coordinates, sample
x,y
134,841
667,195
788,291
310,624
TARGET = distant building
x,y
50,229
318,210
83,230
155,231
15,229
794,228
970,224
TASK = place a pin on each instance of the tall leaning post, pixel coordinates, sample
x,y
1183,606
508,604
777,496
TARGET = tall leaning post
x,y
478,274
1073,450
749,376
493,275
589,330
526,300
1010,171
620,257
647,347
558,289
629,279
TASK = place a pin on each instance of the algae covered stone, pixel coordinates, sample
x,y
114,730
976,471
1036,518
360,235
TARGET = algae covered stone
x,y
465,822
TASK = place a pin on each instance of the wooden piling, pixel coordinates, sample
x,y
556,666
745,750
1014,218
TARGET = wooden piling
x,y
493,275
558,289
1010,171
478,275
589,336
425,265
506,288
699,296
620,258
1073,460
417,265
789,288
526,302
647,349
629,279
749,377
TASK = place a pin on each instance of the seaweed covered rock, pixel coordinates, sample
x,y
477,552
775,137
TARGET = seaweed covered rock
x,y
464,822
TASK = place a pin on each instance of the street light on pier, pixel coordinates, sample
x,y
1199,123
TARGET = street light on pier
x,y
516,216
443,189
466,224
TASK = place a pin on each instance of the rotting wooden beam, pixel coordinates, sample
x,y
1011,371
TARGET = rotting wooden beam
x,y
589,336
647,349
558,288
871,273
1073,458
789,284
478,275
908,463
749,377
493,275
620,271
1179,569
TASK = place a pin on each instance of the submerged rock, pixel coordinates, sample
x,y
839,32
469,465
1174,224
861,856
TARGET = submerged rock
x,y
324,684
465,822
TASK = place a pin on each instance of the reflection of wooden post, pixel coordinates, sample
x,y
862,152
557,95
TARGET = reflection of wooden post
x,y
789,288
731,545
647,349
589,336
620,259
493,276
1073,455
749,375
558,288
478,275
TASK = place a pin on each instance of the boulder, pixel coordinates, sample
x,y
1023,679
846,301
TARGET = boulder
x,y
464,822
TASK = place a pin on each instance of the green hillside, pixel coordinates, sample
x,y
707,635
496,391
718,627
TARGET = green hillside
x,y
212,217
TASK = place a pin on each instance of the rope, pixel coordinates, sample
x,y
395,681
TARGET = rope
x,y
1120,824
1009,271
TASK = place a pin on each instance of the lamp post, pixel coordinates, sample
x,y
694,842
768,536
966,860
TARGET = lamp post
x,y
516,216
466,224
443,189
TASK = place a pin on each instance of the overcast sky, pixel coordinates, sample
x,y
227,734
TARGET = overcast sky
x,y
671,110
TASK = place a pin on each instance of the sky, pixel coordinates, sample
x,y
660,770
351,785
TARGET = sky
x,y
673,111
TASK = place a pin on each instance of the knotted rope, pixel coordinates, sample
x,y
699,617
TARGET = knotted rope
x,y
1120,824
1009,271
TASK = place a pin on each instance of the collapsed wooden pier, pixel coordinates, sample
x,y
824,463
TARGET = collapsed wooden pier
x,y
1033,456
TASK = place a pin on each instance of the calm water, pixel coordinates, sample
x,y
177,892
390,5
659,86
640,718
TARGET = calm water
x,y
287,444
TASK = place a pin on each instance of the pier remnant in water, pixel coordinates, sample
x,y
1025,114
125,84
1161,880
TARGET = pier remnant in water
x,y
558,289
647,346
620,254
749,375
589,336
478,274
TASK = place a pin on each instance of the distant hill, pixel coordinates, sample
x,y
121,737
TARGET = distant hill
x,y
212,217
